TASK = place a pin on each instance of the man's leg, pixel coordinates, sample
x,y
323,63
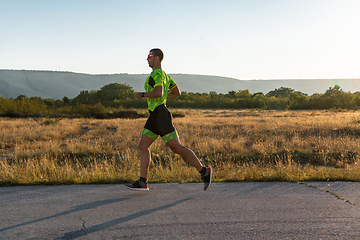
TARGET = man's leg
x,y
144,145
190,157
186,154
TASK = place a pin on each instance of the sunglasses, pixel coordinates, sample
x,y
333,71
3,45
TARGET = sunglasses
x,y
150,56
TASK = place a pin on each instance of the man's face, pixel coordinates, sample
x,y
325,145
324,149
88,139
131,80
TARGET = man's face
x,y
151,59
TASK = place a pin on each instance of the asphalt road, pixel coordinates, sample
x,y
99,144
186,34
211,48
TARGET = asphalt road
x,y
314,210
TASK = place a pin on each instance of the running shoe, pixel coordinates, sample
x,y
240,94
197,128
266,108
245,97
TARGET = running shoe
x,y
138,185
207,177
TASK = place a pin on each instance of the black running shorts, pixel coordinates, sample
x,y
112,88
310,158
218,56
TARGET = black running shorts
x,y
160,124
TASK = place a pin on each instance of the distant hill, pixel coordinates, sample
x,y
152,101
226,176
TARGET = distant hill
x,y
56,85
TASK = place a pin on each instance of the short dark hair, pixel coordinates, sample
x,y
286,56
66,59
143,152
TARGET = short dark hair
x,y
157,52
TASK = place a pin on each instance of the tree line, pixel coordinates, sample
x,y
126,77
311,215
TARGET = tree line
x,y
116,97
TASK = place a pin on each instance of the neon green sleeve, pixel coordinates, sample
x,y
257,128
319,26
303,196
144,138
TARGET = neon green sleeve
x,y
172,84
158,78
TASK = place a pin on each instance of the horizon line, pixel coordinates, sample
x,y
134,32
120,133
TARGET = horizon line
x,y
195,74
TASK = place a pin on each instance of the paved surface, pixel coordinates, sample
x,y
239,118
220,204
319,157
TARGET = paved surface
x,y
316,210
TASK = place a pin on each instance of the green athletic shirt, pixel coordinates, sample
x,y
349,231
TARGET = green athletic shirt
x,y
158,78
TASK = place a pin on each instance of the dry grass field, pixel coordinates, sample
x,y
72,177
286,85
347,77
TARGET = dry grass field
x,y
242,145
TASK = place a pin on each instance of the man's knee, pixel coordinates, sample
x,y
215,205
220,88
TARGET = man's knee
x,y
145,143
142,146
176,148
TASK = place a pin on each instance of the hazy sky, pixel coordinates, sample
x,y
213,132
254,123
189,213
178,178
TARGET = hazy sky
x,y
243,39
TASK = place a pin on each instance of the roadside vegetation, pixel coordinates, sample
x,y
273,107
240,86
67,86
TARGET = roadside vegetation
x,y
115,99
241,145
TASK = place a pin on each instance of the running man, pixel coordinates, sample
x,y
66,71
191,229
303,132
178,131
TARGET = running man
x,y
160,87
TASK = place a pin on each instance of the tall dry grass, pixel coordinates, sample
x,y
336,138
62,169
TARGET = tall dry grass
x,y
242,145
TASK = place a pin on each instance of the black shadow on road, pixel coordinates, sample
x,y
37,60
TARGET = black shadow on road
x,y
75,209
102,226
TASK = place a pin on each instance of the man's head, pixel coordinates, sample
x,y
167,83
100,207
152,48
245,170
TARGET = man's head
x,y
158,53
154,58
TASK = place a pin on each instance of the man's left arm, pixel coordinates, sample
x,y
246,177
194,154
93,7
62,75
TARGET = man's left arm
x,y
174,92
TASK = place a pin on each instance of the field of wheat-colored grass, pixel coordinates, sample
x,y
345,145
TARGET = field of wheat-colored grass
x,y
241,145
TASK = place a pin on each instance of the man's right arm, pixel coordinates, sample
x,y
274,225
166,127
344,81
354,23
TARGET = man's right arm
x,y
157,92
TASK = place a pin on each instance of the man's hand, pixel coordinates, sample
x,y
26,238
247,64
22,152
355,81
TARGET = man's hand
x,y
138,94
